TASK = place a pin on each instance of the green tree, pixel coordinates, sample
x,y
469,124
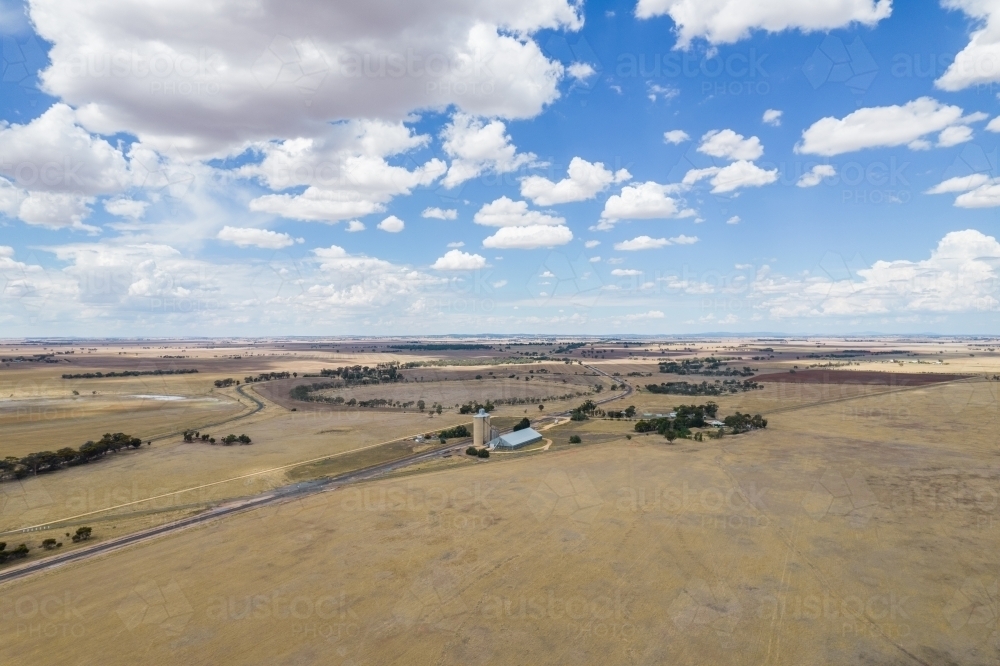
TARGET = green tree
x,y
421,404
575,439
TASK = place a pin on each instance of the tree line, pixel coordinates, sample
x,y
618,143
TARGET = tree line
x,y
129,373
704,388
41,462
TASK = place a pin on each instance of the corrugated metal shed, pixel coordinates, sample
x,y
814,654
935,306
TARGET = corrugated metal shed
x,y
517,439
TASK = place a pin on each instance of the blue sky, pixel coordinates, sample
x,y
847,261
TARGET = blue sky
x,y
671,166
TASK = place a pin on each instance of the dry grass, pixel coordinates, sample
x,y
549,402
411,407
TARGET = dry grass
x,y
860,527
828,538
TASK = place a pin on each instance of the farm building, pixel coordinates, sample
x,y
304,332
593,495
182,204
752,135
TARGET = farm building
x,y
516,439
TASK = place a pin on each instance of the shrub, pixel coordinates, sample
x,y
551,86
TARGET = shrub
x,y
484,453
472,451
575,439
82,534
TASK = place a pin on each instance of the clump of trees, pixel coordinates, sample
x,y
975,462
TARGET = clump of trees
x,y
192,435
704,388
744,422
457,432
18,553
82,534
584,411
128,373
383,373
479,453
522,424
474,407
224,383
268,376
686,417
42,462
709,367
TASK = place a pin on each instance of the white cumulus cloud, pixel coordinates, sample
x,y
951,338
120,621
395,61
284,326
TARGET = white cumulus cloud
x,y
772,117
728,21
477,147
529,237
440,213
645,201
392,224
815,176
675,137
879,127
649,243
505,212
456,260
729,145
584,181
262,238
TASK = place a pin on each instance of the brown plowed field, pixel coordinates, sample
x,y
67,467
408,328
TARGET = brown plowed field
x,y
859,377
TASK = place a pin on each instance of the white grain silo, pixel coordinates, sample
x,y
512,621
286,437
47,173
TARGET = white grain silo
x,y
480,428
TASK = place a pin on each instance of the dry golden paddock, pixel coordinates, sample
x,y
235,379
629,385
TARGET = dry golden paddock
x,y
861,526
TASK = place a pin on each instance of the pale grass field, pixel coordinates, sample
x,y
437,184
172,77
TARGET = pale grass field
x,y
850,531
823,539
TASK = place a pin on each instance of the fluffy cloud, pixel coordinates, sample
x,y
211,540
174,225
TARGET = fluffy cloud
x,y
976,64
727,21
960,275
952,136
645,201
881,127
354,226
167,85
345,172
53,210
984,196
456,260
440,214
125,207
477,147
772,117
585,180
53,153
960,184
392,224
581,71
529,237
625,272
675,137
51,170
977,190
815,176
591,244
735,219
504,212
262,238
648,243
729,145
732,177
